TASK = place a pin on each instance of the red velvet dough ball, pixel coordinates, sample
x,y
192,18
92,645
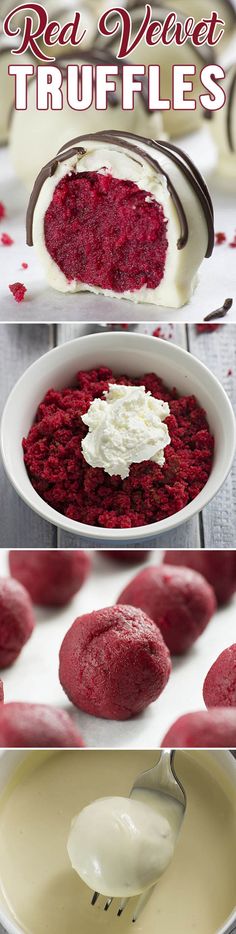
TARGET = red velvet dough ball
x,y
39,725
178,600
218,567
114,662
51,577
16,620
204,729
219,689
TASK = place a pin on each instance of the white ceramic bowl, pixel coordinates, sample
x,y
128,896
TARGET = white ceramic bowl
x,y
9,760
134,354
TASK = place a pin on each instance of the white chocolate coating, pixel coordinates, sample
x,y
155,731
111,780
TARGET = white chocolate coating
x,y
7,84
42,893
121,846
36,135
223,127
181,265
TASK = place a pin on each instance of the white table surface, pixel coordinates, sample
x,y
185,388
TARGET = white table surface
x,y
21,344
34,676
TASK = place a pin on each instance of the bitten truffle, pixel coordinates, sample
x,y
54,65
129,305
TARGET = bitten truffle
x,y
114,662
218,567
39,725
51,577
16,620
178,600
204,729
121,215
219,689
127,556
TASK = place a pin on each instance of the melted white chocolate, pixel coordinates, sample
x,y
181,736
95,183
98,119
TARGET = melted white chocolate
x,y
194,896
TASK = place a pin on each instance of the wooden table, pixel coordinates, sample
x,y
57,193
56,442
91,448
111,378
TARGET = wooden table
x,y
21,344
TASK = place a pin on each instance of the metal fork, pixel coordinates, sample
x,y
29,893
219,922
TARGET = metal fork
x,y
161,778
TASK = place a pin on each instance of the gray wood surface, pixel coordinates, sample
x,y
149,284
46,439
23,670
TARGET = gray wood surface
x,y
21,344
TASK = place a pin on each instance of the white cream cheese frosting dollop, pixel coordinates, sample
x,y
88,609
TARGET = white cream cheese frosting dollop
x,y
120,846
126,427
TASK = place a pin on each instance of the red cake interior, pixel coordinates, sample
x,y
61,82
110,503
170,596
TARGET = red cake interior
x,y
102,231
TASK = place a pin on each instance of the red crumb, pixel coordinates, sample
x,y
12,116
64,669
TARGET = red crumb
x,y
6,240
24,265
201,328
18,291
61,476
220,238
105,231
2,211
160,333
230,373
233,243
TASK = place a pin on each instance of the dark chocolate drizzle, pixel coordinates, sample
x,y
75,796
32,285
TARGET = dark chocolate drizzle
x,y
220,312
132,142
229,105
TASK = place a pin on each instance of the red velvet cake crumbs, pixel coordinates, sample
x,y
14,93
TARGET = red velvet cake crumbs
x,y
6,240
102,231
220,238
24,265
18,291
2,211
202,328
61,476
233,243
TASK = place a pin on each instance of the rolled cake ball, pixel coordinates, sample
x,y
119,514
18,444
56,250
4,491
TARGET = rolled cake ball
x,y
214,728
52,578
176,122
114,662
218,567
16,620
35,135
178,600
25,725
7,83
123,216
219,689
223,128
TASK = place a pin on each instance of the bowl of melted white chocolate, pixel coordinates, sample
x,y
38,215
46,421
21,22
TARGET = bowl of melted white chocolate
x,y
53,807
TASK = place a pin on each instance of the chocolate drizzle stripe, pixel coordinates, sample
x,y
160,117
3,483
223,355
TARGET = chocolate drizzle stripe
x,y
123,140
229,105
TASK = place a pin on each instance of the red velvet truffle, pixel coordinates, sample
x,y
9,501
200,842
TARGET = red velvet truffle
x,y
179,601
29,725
127,556
114,662
51,577
16,620
219,689
204,729
218,567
